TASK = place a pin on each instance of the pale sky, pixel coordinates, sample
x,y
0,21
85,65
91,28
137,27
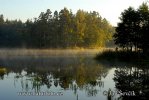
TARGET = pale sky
x,y
24,9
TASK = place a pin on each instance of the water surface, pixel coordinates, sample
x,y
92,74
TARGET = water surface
x,y
67,75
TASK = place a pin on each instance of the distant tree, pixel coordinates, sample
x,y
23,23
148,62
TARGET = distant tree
x,y
1,19
66,28
56,30
28,40
91,32
42,30
80,26
97,30
10,33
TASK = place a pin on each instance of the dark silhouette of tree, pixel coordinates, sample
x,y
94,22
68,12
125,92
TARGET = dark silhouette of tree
x,y
144,27
1,19
132,31
11,34
127,30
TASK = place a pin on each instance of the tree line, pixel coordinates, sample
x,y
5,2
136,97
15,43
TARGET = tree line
x,y
133,29
56,30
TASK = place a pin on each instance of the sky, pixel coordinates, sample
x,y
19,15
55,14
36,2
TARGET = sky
x,y
29,9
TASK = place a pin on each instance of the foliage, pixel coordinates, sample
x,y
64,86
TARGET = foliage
x,y
133,29
56,30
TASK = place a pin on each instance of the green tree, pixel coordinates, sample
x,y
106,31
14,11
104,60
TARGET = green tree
x,y
97,30
42,30
66,27
79,28
56,30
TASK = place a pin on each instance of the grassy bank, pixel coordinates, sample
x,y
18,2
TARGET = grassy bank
x,y
126,56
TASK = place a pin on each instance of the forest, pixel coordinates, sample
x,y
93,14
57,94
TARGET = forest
x,y
61,29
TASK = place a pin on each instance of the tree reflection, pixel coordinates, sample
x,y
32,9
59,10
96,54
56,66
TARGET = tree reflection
x,y
73,78
132,79
70,73
2,72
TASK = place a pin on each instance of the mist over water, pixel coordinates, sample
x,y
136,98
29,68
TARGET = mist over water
x,y
48,52
64,74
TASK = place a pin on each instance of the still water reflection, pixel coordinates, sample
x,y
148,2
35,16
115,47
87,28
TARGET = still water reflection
x,y
69,78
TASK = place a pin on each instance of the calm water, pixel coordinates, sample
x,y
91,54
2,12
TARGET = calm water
x,y
69,75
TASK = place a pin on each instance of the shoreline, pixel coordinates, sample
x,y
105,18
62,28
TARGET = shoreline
x,y
5,52
123,56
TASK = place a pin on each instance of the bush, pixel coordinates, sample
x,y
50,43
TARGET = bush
x,y
128,56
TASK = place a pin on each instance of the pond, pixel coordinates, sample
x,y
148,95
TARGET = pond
x,y
69,75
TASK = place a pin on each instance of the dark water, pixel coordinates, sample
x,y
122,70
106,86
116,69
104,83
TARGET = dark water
x,y
71,78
